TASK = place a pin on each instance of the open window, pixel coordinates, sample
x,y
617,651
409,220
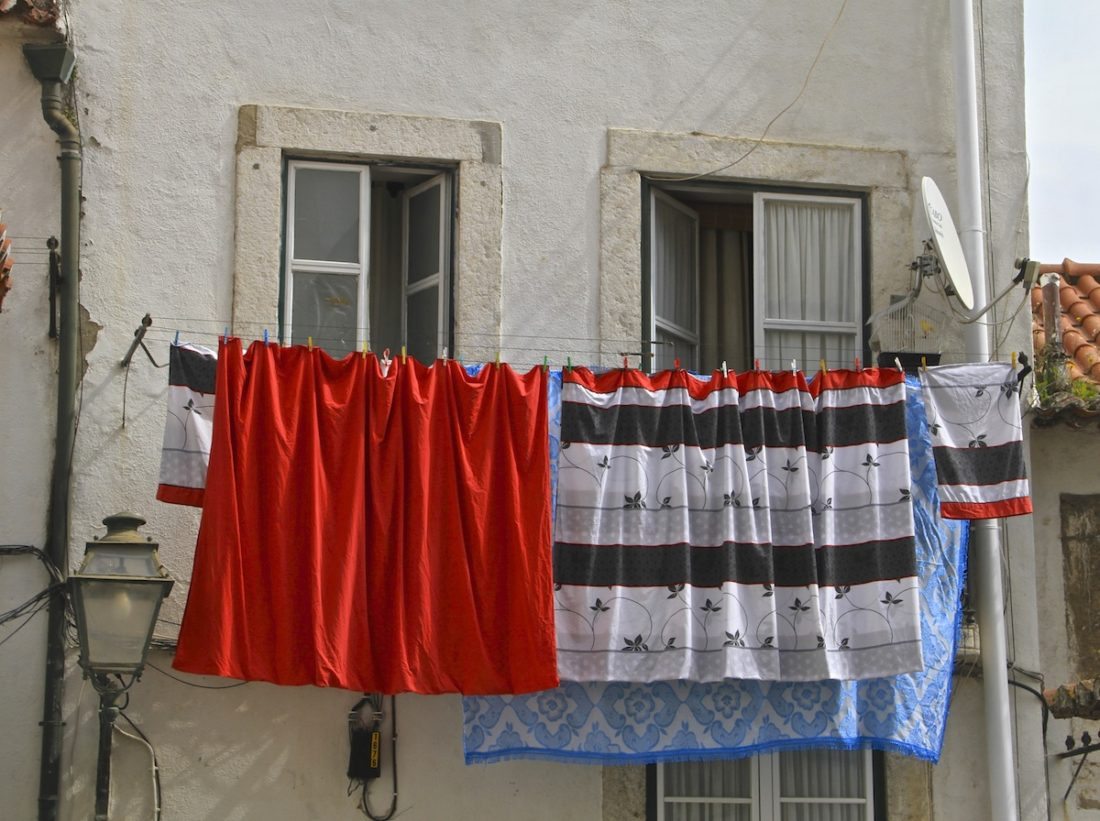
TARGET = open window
x,y
798,785
738,275
367,257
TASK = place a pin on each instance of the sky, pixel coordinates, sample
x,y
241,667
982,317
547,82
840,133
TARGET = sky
x,y
1062,84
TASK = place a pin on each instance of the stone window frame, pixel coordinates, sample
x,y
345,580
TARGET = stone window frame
x,y
267,135
882,175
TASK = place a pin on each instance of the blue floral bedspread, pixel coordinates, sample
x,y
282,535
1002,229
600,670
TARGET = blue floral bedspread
x,y
619,723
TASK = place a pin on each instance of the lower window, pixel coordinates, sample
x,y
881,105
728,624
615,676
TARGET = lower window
x,y
799,785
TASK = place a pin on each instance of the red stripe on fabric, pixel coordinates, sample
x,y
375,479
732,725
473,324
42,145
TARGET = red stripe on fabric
x,y
1019,506
613,380
866,378
177,495
375,533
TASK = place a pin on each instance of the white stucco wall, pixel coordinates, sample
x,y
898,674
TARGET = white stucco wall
x,y
161,84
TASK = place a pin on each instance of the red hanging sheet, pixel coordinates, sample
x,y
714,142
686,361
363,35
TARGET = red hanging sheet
x,y
376,533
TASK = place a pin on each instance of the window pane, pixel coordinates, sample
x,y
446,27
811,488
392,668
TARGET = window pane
x,y
823,812
670,348
838,350
710,779
673,265
811,261
326,215
424,233
822,774
422,325
325,307
708,812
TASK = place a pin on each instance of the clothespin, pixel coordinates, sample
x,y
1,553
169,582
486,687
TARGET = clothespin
x,y
756,364
897,364
366,348
265,337
498,359
924,363
386,354
569,364
309,342
821,366
444,353
675,363
626,363
859,365
545,364
794,365
176,341
1014,360
725,370
225,336
404,356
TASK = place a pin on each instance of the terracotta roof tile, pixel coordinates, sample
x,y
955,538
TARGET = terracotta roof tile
x,y
35,12
1080,700
1079,296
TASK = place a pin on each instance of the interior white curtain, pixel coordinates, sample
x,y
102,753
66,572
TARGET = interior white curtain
x,y
810,774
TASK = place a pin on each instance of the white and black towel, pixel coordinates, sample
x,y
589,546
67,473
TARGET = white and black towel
x,y
187,430
977,439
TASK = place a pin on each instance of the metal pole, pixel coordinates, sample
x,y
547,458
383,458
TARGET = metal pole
x,y
108,714
985,547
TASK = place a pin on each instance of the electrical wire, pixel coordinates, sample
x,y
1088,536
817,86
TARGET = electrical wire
x,y
157,801
763,135
23,624
194,684
375,700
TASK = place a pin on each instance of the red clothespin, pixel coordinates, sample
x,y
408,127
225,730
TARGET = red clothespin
x,y
676,363
626,364
859,365
756,364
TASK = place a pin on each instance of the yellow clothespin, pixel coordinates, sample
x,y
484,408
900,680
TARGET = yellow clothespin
x,y
1014,360
366,348
404,356
309,342
821,366
498,359
924,363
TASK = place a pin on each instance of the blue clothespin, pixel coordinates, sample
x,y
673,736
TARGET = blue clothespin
x,y
265,336
176,342
225,337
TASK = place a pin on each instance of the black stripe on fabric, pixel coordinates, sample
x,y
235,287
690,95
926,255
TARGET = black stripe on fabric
x,y
668,565
191,369
861,424
677,425
980,465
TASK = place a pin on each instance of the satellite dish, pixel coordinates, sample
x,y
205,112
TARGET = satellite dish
x,y
946,240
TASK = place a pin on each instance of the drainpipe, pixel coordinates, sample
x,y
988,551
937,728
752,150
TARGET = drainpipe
x,y
52,66
985,542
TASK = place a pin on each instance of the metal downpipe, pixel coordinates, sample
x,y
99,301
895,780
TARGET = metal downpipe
x,y
985,539
52,66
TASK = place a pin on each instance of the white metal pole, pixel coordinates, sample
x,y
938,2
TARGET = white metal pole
x,y
985,547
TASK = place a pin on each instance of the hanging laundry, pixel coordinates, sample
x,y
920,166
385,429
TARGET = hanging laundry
x,y
734,528
384,533
621,723
188,427
974,414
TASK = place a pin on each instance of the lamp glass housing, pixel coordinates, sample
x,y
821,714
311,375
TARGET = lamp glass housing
x,y
116,596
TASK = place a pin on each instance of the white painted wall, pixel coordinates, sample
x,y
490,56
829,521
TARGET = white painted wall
x,y
160,85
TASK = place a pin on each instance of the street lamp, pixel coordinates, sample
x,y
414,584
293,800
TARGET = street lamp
x,y
116,597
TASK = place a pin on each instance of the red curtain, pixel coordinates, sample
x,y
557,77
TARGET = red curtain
x,y
385,533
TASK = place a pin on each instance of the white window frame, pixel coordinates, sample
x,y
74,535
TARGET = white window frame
x,y
360,269
765,799
762,322
440,279
686,335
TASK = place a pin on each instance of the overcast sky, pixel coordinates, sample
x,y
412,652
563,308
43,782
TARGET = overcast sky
x,y
1062,49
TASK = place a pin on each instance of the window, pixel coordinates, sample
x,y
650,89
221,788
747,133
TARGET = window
x,y
799,785
738,275
367,257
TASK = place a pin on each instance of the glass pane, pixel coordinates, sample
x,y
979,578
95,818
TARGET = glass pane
x,y
424,233
117,617
326,215
821,774
325,307
807,349
811,261
708,812
709,779
422,325
823,812
673,265
669,348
